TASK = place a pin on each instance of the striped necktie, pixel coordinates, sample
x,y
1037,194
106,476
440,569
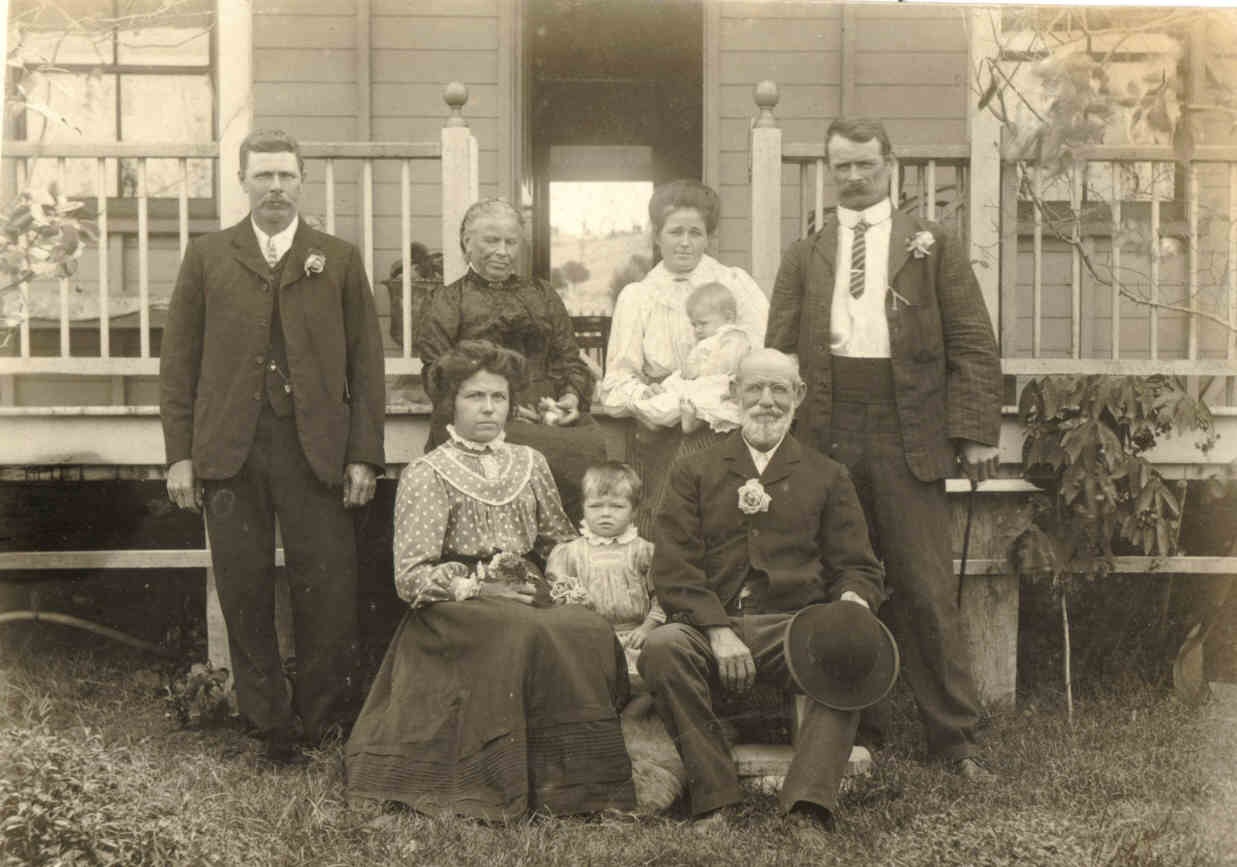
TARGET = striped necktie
x,y
272,255
858,251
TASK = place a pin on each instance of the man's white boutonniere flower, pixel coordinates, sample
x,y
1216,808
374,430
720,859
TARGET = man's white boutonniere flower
x,y
753,498
314,262
919,244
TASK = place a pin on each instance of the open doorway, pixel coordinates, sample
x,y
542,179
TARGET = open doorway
x,y
615,106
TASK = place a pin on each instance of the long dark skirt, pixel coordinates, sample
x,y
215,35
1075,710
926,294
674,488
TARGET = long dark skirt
x,y
491,708
568,450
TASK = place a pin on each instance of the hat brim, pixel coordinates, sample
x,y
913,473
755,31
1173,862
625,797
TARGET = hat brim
x,y
814,681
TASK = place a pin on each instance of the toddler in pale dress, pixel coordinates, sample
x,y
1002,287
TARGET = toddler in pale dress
x,y
610,563
699,393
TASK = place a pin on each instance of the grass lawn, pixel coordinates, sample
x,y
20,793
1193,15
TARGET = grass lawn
x,y
94,770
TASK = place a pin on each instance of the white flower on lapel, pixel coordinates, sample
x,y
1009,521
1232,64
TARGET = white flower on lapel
x,y
919,244
753,498
314,262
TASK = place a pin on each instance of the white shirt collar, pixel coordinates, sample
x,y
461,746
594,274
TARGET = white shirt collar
x,y
282,239
621,539
759,458
494,445
872,214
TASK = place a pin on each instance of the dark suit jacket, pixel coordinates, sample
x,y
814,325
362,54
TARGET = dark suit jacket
x,y
946,367
812,543
217,335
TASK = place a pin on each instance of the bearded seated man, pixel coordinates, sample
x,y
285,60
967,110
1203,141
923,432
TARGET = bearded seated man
x,y
753,531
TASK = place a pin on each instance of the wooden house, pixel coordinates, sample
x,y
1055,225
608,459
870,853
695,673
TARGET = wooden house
x,y
410,109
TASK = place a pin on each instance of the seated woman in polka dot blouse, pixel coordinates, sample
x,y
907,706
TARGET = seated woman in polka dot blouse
x,y
488,705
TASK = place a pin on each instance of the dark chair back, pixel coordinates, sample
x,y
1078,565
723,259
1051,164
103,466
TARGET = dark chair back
x,y
593,336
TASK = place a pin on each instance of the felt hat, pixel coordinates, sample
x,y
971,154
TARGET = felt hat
x,y
841,655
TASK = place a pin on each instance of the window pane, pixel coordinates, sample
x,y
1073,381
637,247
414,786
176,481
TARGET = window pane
x,y
166,46
167,108
71,107
39,47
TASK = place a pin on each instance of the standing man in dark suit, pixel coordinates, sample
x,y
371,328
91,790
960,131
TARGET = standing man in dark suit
x,y
904,386
273,402
752,530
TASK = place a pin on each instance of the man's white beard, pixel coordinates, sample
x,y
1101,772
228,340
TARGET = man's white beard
x,y
763,434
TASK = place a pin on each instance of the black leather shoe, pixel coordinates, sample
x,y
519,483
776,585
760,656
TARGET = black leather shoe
x,y
282,752
811,824
970,768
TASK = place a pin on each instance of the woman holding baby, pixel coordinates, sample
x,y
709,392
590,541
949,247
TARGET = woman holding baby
x,y
652,335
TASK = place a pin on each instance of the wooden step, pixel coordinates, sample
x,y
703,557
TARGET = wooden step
x,y
773,760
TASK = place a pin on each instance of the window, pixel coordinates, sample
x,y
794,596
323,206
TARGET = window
x,y
1111,76
117,71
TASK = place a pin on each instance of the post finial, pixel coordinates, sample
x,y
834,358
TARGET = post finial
x,y
766,96
455,95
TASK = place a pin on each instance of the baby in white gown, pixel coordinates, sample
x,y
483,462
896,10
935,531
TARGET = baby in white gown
x,y
700,392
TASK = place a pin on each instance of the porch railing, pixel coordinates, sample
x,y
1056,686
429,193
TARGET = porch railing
x,y
932,181
455,152
1109,214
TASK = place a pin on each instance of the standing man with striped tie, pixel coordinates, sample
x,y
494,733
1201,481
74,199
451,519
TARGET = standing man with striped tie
x,y
272,401
904,389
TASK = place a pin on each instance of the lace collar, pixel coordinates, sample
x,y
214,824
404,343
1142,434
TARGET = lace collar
x,y
495,445
492,478
622,538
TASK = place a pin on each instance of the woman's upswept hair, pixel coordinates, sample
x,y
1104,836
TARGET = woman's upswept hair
x,y
670,197
613,477
443,380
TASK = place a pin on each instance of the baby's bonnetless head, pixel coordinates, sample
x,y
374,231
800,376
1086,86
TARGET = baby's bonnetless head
x,y
612,491
709,307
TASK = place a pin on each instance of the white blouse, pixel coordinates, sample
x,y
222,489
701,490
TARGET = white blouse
x,y
651,336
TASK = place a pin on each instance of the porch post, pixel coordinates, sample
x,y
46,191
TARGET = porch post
x,y
234,66
989,600
459,179
766,172
984,206
234,120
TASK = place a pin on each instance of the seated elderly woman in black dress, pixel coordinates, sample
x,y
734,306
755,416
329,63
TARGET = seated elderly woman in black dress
x,y
488,705
492,302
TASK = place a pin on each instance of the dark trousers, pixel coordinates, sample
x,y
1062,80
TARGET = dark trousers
x,y
681,672
319,546
911,531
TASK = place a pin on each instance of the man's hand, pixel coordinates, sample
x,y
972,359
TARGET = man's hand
x,y
183,488
735,667
852,596
978,461
569,406
360,481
